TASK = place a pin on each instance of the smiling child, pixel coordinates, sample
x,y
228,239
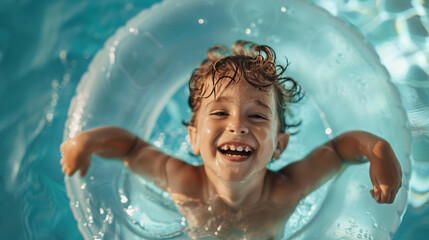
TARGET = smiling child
x,y
240,101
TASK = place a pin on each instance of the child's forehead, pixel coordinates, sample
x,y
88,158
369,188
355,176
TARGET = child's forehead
x,y
241,90
243,86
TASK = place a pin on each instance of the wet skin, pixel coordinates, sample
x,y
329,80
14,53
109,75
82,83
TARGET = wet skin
x,y
232,195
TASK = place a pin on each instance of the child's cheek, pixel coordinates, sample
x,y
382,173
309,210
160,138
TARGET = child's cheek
x,y
264,134
208,128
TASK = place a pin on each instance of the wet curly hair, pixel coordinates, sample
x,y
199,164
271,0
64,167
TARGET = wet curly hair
x,y
254,63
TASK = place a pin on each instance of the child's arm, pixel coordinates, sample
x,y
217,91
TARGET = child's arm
x,y
385,171
118,143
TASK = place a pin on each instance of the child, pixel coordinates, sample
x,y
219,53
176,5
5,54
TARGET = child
x,y
238,126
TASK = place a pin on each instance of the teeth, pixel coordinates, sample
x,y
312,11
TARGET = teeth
x,y
236,148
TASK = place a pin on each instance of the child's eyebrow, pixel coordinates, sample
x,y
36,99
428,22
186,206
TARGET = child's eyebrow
x,y
262,104
221,99
231,99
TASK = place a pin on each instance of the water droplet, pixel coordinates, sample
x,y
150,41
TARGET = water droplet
x,y
49,117
63,55
130,210
55,84
328,131
124,199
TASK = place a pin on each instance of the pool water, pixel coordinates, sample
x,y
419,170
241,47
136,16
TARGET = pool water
x,y
46,46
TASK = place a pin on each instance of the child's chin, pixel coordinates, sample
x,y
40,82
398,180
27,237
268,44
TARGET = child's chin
x,y
235,177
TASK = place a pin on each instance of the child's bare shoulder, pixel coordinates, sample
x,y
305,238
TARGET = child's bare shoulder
x,y
282,192
183,178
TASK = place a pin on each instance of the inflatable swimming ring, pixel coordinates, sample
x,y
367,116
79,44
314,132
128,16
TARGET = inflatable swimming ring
x,y
137,82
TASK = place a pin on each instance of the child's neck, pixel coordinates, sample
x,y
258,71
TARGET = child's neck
x,y
237,194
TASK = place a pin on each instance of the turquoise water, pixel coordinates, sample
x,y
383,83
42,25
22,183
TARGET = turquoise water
x,y
46,46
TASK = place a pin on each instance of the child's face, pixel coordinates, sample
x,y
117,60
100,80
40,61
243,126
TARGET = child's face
x,y
238,133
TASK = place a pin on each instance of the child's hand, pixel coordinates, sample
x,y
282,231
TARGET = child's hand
x,y
106,142
75,156
385,173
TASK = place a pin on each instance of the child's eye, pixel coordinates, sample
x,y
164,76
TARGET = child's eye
x,y
219,114
258,116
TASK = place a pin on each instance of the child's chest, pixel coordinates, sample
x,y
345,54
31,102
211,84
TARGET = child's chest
x,y
218,220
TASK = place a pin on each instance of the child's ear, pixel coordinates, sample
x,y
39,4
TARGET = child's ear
x,y
194,139
282,141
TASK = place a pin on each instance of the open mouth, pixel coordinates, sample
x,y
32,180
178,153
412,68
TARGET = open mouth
x,y
240,151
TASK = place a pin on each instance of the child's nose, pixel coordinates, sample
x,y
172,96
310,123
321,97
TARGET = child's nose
x,y
237,126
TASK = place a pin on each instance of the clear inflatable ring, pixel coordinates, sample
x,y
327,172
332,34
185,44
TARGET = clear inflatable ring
x,y
137,82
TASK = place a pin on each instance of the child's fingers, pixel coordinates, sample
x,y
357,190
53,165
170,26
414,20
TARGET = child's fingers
x,y
85,166
384,196
63,148
72,171
377,193
393,196
372,193
83,171
63,169
375,185
386,193
67,170
389,198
